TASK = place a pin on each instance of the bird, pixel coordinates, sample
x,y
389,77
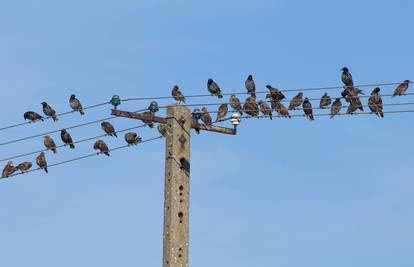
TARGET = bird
x,y
32,116
76,105
49,143
250,107
132,138
101,146
108,128
148,121
274,93
307,108
177,95
235,104
49,111
250,86
347,77
354,104
162,129
8,170
265,109
325,101
375,102
401,89
41,161
296,101
280,109
205,116
66,138
25,166
213,88
222,112
351,91
195,117
336,107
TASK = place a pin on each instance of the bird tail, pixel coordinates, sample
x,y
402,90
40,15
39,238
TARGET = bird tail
x,y
382,114
106,153
220,95
55,118
45,168
82,112
72,146
311,117
54,150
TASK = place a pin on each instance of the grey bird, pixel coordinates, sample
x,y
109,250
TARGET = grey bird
x,y
296,101
102,147
75,104
265,109
307,108
375,102
235,104
32,116
213,88
49,111
274,93
66,138
280,109
8,170
49,143
402,88
41,161
250,86
250,107
325,101
205,117
177,95
336,107
347,77
222,112
162,129
108,128
25,166
132,138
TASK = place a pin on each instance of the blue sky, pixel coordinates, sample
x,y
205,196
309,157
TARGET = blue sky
x,y
288,193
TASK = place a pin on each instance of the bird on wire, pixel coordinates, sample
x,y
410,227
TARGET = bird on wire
x,y
336,107
375,102
250,86
49,111
235,104
347,77
8,170
296,101
222,112
401,89
274,93
213,88
49,143
24,166
177,95
32,116
281,110
101,146
325,101
76,105
250,107
265,109
307,109
205,116
108,128
66,138
132,138
41,161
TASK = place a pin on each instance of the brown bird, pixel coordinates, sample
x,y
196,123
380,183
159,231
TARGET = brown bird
x,y
250,86
354,104
162,129
132,138
265,109
75,104
351,91
307,108
8,170
102,147
49,111
296,101
347,77
336,107
375,102
49,143
25,166
32,116
66,138
325,101
222,112
149,122
280,109
205,117
108,128
250,107
235,104
41,161
402,88
177,95
274,93
213,88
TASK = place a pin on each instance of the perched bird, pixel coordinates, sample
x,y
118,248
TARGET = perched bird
x,y
41,161
401,89
32,116
213,88
102,147
196,116
296,101
235,104
25,166
351,91
265,109
274,93
49,143
75,104
177,95
250,107
8,170
222,112
250,86
307,108
108,128
49,111
148,121
162,129
354,104
375,102
66,138
325,101
336,107
205,117
132,138
347,77
280,109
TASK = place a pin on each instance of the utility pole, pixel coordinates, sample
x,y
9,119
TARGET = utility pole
x,y
179,122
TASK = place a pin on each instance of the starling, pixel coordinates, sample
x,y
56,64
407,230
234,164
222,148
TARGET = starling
x,y
25,166
213,88
76,105
325,101
49,111
347,77
354,104
375,102
250,107
265,109
8,170
235,104
222,112
148,121
41,161
66,138
132,138
49,143
177,95
336,107
280,109
162,129
101,146
296,101
307,108
274,93
351,91
205,117
402,88
32,116
108,128
250,86
197,125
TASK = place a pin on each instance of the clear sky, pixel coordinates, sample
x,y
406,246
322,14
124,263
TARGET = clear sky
x,y
289,193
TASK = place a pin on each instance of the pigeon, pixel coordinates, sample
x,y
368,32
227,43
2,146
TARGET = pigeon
x,y
235,104
265,109
296,101
401,89
76,105
325,101
375,102
336,107
132,138
274,93
222,112
149,121
280,109
41,161
205,117
347,77
213,88
32,116
108,128
102,147
66,138
162,129
25,166
250,107
49,143
307,108
49,111
177,95
8,170
250,86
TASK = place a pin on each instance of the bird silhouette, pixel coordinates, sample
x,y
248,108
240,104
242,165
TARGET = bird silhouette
x,y
250,86
222,112
49,143
213,88
108,128
375,102
76,105
307,108
41,161
66,138
49,111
